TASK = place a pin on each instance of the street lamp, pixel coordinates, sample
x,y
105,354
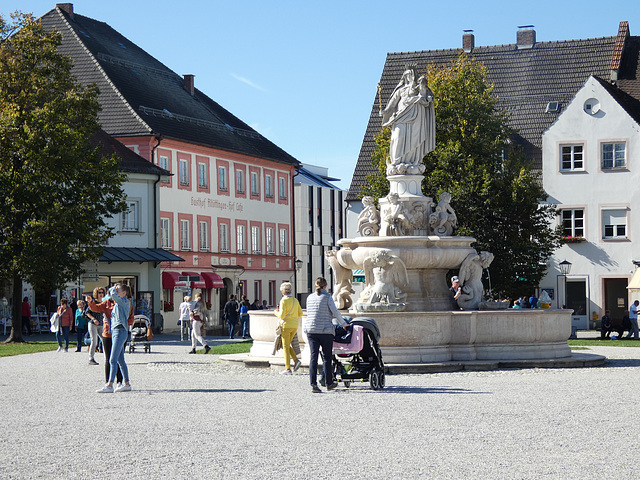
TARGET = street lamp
x,y
565,268
297,263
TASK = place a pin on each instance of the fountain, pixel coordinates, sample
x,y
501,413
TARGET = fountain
x,y
407,246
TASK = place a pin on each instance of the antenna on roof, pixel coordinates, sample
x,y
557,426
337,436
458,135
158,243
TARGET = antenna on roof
x,y
467,31
526,26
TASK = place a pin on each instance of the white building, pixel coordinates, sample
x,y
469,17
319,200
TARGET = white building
x,y
591,158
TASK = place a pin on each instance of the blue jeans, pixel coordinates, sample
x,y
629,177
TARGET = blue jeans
x,y
119,337
80,337
244,321
63,332
319,341
232,327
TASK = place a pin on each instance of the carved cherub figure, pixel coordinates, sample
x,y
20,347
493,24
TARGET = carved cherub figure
x,y
385,277
471,279
369,218
444,219
343,280
395,216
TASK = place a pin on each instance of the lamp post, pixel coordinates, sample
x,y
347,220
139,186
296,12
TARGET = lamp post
x,y
298,266
565,268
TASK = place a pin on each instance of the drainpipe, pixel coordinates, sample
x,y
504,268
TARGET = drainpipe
x,y
293,228
155,194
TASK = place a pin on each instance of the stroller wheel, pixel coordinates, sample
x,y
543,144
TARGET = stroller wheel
x,y
381,379
131,349
374,380
347,383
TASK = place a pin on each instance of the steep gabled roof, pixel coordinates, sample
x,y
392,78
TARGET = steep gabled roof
x,y
526,80
141,96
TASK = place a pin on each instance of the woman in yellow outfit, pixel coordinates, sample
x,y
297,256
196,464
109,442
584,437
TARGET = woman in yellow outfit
x,y
289,312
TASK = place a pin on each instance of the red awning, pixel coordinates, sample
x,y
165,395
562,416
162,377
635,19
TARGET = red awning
x,y
170,280
207,280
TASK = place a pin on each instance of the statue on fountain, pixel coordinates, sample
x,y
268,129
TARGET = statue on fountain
x,y
369,218
412,118
385,277
444,219
342,286
471,279
395,217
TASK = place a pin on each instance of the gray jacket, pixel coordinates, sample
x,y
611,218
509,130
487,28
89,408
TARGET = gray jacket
x,y
320,311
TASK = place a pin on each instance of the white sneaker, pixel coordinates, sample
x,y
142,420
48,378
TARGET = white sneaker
x,y
286,372
123,388
59,349
105,389
297,365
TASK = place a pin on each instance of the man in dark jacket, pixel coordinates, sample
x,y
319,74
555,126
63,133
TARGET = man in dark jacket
x,y
231,314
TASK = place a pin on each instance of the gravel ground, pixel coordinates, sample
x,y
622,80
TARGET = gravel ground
x,y
192,416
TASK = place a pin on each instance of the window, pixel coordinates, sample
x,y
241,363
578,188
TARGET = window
x,y
130,217
268,185
184,172
255,239
163,162
165,232
204,236
614,223
282,188
613,155
284,245
185,235
241,238
573,223
255,188
239,181
224,237
269,232
222,178
203,180
572,157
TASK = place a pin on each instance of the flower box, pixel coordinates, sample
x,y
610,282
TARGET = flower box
x,y
571,239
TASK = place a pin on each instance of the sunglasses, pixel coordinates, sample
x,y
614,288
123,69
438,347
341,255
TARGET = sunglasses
x,y
101,292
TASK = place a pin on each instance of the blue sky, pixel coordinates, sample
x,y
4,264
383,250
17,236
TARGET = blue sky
x,y
304,73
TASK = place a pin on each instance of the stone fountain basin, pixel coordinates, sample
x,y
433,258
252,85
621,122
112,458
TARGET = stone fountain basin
x,y
421,252
428,337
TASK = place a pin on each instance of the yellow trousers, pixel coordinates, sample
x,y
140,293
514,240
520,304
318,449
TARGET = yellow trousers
x,y
289,353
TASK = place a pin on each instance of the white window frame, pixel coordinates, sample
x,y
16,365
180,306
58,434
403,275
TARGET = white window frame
x,y
615,158
268,185
222,177
131,217
165,232
282,187
184,172
163,162
241,238
270,240
185,235
204,236
240,181
255,239
284,241
575,218
574,154
255,187
615,220
203,181
224,237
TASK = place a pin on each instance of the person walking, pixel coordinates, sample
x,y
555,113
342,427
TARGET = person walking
x,y
26,314
184,320
66,320
633,318
119,334
231,314
289,312
320,332
96,323
245,306
197,315
81,322
106,308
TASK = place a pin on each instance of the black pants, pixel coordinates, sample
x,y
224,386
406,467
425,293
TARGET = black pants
x,y
319,341
26,322
106,343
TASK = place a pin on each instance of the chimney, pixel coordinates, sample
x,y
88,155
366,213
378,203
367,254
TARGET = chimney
x,y
526,37
468,41
618,48
189,84
66,7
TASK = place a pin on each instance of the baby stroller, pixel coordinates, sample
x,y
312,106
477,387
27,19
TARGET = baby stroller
x,y
361,358
139,330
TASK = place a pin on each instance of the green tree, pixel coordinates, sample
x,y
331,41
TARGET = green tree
x,y
497,196
56,190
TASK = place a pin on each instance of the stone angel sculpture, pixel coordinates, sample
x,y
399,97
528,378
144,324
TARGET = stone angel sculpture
x,y
444,219
343,280
471,279
395,216
385,277
369,218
